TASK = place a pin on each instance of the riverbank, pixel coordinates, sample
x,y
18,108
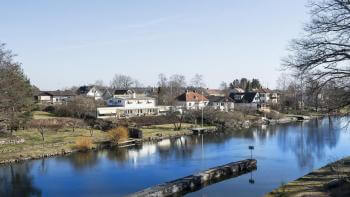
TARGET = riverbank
x,y
31,146
330,180
28,144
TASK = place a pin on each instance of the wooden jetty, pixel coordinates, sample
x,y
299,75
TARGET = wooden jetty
x,y
195,182
129,142
300,117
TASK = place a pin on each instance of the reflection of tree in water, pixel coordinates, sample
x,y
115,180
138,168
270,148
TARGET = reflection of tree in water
x,y
15,180
118,154
81,160
309,140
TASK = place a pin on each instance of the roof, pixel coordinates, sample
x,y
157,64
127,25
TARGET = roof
x,y
214,91
84,89
123,92
190,96
57,93
218,99
238,90
249,97
137,98
265,90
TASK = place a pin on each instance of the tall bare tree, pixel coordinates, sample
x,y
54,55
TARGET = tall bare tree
x,y
197,81
122,82
323,53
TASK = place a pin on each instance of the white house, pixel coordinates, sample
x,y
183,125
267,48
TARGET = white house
x,y
91,91
268,96
191,100
128,105
246,101
221,103
54,97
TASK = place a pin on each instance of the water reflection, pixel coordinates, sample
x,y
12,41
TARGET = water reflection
x,y
297,146
16,181
308,141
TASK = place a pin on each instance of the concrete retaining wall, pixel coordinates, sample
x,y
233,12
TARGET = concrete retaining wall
x,y
197,181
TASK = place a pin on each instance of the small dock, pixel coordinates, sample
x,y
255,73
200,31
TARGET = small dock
x,y
197,181
129,142
300,117
202,130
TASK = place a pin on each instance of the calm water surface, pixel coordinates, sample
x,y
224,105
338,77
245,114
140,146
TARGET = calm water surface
x,y
284,153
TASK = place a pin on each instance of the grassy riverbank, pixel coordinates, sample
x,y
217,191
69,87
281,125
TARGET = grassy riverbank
x,y
167,130
54,143
319,183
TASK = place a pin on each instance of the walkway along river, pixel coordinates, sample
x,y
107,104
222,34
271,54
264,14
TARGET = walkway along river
x,y
284,153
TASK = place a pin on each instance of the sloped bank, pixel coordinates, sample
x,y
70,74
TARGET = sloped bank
x,y
197,181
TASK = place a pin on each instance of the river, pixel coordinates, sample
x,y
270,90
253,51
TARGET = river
x,y
284,153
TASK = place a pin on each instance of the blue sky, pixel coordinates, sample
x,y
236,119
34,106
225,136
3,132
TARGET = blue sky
x,y
65,43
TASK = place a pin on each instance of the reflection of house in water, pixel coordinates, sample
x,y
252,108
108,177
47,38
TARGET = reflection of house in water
x,y
146,150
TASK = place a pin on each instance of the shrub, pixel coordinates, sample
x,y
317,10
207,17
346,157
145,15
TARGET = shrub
x,y
273,115
49,109
83,143
118,134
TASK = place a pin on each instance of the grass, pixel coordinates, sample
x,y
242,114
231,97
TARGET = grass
x,y
42,115
168,130
54,142
312,184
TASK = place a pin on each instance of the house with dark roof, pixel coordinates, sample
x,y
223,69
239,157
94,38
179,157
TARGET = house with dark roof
x,y
54,97
91,91
246,101
191,100
221,103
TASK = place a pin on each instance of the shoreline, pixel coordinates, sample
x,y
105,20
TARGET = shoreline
x,y
329,180
99,143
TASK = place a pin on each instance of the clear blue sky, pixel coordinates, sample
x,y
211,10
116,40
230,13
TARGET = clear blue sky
x,y
65,43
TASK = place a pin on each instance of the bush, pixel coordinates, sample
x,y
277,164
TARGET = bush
x,y
49,109
118,134
273,115
83,143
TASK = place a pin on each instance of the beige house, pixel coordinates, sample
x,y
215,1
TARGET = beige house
x,y
191,100
54,97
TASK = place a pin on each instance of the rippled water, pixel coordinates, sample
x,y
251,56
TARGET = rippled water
x,y
284,153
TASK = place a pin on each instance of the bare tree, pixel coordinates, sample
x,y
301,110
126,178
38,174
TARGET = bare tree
x,y
197,81
323,53
122,82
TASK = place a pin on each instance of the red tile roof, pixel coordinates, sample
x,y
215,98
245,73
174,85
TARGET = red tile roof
x,y
191,97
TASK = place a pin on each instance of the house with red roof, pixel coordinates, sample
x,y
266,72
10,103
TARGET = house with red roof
x,y
191,100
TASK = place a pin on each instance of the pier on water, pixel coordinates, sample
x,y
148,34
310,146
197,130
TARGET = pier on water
x,y
197,181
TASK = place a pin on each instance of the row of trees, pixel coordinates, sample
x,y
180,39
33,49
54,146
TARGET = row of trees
x,y
320,58
246,84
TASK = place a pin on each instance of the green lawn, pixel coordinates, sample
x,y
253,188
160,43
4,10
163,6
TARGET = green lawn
x,y
168,130
54,142
42,115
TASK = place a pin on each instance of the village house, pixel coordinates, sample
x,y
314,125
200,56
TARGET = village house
x,y
126,103
91,91
246,101
191,100
221,103
54,97
268,96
